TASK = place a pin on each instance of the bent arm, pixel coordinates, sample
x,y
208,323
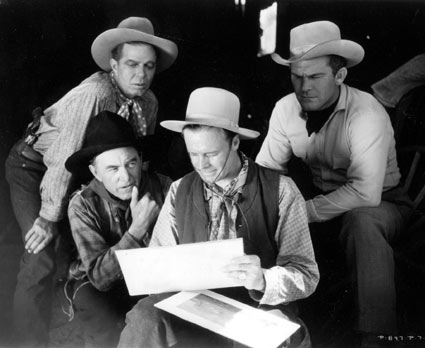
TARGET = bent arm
x,y
276,149
97,256
296,274
77,108
369,141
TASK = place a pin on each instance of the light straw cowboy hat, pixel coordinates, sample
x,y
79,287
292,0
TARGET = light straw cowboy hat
x,y
214,107
133,29
319,39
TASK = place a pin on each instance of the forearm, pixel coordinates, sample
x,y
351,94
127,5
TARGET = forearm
x,y
104,270
289,283
356,194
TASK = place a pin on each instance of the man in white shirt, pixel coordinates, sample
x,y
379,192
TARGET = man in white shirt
x,y
346,139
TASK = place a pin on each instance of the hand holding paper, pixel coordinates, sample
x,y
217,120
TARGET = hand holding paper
x,y
247,270
196,266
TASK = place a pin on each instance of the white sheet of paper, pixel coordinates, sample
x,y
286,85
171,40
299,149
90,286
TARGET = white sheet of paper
x,y
194,266
250,326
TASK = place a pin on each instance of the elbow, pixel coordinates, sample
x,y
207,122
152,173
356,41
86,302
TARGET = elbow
x,y
99,283
370,200
313,281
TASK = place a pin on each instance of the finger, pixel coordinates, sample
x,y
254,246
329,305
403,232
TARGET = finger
x,y
30,234
134,197
41,245
239,276
31,239
33,243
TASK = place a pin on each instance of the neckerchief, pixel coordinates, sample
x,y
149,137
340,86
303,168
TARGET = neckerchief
x,y
223,204
131,110
316,119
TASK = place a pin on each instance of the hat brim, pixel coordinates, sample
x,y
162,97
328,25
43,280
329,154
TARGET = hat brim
x,y
350,50
81,159
177,126
104,44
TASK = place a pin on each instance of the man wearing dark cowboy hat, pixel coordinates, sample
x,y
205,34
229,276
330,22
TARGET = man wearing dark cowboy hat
x,y
116,210
346,139
229,196
129,57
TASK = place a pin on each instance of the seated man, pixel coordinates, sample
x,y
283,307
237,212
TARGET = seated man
x,y
229,196
116,210
129,56
345,138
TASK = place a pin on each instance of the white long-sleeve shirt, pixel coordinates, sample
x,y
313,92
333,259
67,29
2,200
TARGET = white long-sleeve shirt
x,y
352,158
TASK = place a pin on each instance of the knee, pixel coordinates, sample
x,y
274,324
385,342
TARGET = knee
x,y
360,223
145,315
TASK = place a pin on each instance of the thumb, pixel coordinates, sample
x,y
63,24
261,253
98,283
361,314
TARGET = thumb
x,y
134,197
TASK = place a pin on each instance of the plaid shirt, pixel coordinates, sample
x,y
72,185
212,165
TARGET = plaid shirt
x,y
99,225
296,274
62,130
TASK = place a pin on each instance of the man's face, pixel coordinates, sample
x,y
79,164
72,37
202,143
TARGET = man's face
x,y
213,156
314,83
119,170
135,70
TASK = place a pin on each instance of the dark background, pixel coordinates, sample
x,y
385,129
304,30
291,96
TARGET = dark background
x,y
45,51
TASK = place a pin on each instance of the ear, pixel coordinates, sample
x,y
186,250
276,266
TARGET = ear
x,y
114,64
94,172
340,76
235,142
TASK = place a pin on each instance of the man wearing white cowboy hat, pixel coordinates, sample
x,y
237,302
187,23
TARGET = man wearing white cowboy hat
x,y
229,196
129,57
116,210
346,139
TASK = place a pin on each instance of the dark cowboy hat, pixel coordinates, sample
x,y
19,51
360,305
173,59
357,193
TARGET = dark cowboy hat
x,y
133,29
106,131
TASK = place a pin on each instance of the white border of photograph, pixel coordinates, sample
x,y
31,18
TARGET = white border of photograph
x,y
250,326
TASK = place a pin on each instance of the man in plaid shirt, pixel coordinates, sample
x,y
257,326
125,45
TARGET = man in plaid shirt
x,y
229,196
116,210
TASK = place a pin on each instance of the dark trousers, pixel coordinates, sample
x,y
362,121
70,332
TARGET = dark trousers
x,y
101,313
32,299
364,236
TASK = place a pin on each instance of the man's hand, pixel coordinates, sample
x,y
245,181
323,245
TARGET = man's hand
x,y
247,271
40,235
144,213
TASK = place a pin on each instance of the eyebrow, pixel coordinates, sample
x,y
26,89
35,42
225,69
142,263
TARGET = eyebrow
x,y
308,75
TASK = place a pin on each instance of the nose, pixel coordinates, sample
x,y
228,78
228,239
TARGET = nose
x,y
305,84
202,162
140,70
124,175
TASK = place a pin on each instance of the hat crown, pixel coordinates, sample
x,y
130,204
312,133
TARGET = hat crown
x,y
137,23
110,129
309,35
215,105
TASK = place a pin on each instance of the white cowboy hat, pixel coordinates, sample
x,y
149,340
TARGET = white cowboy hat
x,y
214,107
319,39
133,29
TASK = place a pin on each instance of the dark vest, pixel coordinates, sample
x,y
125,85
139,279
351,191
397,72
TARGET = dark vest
x,y
258,212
